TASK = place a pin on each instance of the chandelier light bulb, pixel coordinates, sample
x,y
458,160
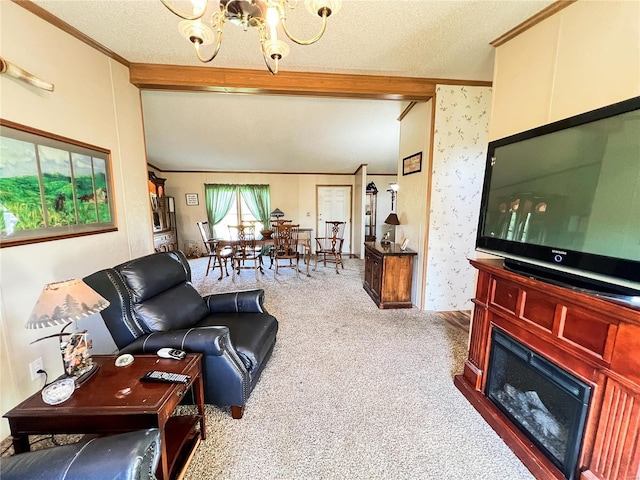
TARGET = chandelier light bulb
x,y
273,16
199,6
272,21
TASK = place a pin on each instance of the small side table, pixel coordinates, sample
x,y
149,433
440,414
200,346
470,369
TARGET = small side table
x,y
114,401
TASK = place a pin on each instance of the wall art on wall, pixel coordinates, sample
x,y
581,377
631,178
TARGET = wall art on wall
x,y
192,199
412,164
51,187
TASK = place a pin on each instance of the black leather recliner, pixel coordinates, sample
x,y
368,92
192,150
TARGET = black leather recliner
x,y
154,305
126,456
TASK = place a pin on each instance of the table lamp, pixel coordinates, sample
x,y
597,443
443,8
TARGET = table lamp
x,y
277,213
390,235
62,303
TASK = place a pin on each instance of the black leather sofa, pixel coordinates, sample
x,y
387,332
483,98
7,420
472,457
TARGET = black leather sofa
x,y
154,305
126,456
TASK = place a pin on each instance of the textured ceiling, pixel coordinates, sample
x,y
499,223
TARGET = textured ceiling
x,y
420,38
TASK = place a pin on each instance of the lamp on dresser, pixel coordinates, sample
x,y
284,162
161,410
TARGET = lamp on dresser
x,y
389,236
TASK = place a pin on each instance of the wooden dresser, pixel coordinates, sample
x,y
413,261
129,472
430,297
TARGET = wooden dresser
x,y
388,273
592,338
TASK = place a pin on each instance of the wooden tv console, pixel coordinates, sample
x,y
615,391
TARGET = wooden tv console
x,y
593,338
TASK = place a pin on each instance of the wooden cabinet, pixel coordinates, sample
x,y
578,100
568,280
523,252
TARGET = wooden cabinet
x,y
388,273
165,235
165,241
593,339
370,212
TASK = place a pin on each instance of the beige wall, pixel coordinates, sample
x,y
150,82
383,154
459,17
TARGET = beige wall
x,y
93,102
584,57
412,200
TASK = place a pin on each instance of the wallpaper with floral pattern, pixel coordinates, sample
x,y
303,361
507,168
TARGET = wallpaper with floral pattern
x,y
459,156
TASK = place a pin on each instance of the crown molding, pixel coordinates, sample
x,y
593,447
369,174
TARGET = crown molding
x,y
531,21
153,167
65,27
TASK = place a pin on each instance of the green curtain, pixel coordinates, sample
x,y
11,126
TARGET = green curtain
x,y
218,199
257,198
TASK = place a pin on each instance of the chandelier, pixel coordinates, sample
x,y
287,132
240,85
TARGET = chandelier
x,y
261,14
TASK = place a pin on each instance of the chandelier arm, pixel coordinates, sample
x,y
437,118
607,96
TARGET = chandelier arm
x,y
213,55
310,41
272,71
180,14
216,19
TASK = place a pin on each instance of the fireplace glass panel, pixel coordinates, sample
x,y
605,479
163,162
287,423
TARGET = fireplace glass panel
x,y
546,403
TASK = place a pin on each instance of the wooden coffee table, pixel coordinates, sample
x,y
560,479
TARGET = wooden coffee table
x,y
114,401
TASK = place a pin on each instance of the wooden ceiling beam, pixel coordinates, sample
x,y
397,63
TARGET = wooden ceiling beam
x,y
232,80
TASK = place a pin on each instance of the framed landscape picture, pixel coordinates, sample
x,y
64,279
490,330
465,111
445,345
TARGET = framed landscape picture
x,y
51,187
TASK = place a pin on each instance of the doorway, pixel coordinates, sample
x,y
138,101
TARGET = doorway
x,y
333,203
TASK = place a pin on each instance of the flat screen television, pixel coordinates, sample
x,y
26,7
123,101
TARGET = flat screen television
x,y
561,202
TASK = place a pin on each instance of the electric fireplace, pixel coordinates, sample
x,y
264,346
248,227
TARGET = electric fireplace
x,y
538,354
548,404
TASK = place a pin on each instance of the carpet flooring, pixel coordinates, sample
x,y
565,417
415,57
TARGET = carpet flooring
x,y
351,391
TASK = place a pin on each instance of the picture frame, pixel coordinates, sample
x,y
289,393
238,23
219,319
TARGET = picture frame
x,y
75,353
405,244
192,199
412,164
52,187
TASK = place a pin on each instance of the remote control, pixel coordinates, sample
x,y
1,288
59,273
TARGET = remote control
x,y
165,377
172,353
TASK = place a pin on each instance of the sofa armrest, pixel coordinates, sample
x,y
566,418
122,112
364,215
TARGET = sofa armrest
x,y
212,340
245,301
127,456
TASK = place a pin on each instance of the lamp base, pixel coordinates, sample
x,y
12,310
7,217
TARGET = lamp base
x,y
80,377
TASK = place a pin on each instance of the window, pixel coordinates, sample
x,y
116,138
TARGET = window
x,y
229,205
238,210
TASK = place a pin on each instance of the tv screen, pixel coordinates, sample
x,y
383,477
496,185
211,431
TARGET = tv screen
x,y
563,200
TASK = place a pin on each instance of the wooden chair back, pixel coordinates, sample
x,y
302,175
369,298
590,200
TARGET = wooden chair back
x,y
205,232
286,241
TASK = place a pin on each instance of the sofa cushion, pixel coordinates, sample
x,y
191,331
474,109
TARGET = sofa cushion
x,y
252,334
177,308
148,276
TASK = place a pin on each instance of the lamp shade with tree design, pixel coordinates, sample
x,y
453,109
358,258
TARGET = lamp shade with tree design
x,y
62,303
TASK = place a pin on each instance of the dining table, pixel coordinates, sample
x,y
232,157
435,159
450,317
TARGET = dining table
x,y
304,241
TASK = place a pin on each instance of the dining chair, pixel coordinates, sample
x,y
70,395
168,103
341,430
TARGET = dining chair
x,y
245,249
211,247
331,244
286,247
274,225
